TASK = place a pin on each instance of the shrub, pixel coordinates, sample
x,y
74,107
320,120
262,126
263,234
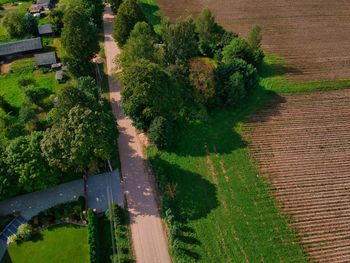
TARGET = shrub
x,y
93,237
24,232
161,133
13,238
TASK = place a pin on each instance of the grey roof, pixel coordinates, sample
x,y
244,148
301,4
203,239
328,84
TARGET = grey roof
x,y
45,29
20,46
42,2
59,75
47,58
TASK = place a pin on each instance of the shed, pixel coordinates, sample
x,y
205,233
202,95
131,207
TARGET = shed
x,y
59,76
35,9
45,29
45,59
20,46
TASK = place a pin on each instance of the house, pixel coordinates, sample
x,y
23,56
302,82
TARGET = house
x,y
45,59
45,29
21,46
35,9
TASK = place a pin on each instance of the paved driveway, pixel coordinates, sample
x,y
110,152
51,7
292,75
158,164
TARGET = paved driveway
x,y
29,205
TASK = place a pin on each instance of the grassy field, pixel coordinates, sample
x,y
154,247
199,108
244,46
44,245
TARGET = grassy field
x,y
216,191
64,243
23,68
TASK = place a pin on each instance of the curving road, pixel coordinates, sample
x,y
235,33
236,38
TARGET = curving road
x,y
148,236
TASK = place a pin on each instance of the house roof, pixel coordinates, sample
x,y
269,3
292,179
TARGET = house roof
x,y
35,9
47,58
20,46
43,2
45,29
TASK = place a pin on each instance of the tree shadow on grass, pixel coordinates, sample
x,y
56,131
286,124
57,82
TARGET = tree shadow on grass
x,y
218,134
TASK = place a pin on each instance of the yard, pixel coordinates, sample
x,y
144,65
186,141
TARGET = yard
x,y
62,243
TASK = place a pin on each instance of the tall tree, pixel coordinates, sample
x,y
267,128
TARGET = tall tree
x,y
180,40
80,140
148,93
94,10
129,13
24,158
8,180
254,39
141,45
79,40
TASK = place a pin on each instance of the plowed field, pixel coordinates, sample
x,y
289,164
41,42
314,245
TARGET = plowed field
x,y
313,35
303,146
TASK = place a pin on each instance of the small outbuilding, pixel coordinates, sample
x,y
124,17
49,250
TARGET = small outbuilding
x,y
45,59
35,9
59,76
21,46
45,29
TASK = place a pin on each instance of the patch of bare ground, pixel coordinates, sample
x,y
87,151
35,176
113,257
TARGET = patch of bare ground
x,y
303,146
313,35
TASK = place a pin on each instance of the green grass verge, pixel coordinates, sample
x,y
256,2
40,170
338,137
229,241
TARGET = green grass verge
x,y
23,68
273,70
63,243
215,190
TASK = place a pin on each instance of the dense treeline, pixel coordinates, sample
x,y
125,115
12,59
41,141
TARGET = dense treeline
x,y
189,69
55,138
93,238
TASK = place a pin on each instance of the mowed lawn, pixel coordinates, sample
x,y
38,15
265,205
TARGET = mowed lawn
x,y
64,243
216,189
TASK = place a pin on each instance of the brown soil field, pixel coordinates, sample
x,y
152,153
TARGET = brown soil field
x,y
312,35
301,143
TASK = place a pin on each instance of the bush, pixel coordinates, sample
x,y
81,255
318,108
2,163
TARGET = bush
x,y
161,133
7,107
36,94
93,237
24,232
18,25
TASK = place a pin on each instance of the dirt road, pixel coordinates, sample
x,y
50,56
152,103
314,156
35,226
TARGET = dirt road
x,y
148,236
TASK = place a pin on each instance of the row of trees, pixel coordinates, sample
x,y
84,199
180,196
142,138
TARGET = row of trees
x,y
50,140
189,69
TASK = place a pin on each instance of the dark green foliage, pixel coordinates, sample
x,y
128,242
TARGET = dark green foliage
x,y
7,107
8,180
161,133
27,111
56,19
93,240
19,25
36,94
237,49
25,161
119,217
148,93
141,45
114,4
94,10
234,81
80,140
79,41
72,210
127,16
212,36
180,40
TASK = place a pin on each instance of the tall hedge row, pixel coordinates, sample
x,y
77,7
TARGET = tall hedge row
x,y
93,237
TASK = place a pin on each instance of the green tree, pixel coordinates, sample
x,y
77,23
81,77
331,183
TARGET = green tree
x,y
148,93
237,49
94,10
161,133
141,45
254,39
79,41
8,180
18,24
129,13
56,20
80,140
180,40
24,158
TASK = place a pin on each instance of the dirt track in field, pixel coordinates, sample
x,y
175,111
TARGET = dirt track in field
x,y
302,144
313,35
